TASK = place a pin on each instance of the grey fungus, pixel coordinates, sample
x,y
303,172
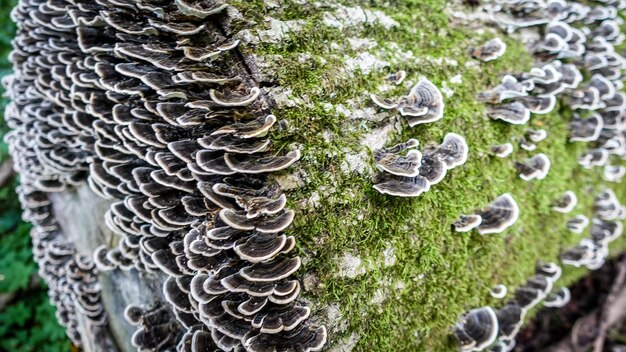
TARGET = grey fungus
x,y
510,88
514,113
234,100
403,186
498,291
510,320
614,173
502,150
587,129
477,329
501,214
466,223
453,151
536,135
536,167
594,157
566,203
401,165
489,51
384,103
423,104
396,78
603,231
250,129
558,299
414,173
578,223
538,104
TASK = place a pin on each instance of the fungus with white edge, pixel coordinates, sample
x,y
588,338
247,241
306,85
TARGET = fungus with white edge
x,y
566,204
477,329
489,51
502,213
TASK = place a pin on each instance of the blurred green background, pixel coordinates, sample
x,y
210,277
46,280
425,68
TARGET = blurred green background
x,y
27,321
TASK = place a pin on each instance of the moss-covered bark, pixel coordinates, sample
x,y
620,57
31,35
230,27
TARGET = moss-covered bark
x,y
385,273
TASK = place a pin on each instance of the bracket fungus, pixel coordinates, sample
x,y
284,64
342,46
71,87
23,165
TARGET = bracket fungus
x,y
558,299
414,173
467,223
566,204
498,291
578,223
154,107
515,113
501,214
502,150
489,51
536,167
423,104
477,329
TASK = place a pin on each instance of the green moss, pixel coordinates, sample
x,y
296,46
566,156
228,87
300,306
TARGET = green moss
x,y
438,274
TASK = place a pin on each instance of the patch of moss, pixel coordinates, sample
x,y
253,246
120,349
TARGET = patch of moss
x,y
438,274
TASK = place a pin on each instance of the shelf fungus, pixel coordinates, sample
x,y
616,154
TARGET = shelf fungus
x,y
510,88
502,150
536,167
423,104
477,329
510,320
498,216
578,223
489,51
414,173
467,223
566,203
586,130
498,291
514,113
152,106
558,299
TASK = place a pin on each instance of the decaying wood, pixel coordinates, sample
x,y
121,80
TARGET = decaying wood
x,y
590,331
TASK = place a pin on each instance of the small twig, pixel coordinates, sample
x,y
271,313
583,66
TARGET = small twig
x,y
604,315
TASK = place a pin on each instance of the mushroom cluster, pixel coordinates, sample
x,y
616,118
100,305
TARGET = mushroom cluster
x,y
498,216
423,104
73,286
495,329
576,38
413,173
606,226
152,104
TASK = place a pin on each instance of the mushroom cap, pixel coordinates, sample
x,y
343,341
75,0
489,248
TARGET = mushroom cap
x,y
538,104
499,215
403,186
586,130
558,299
498,291
514,113
578,223
401,165
432,168
477,329
502,150
453,151
383,102
424,104
536,167
489,51
510,319
566,204
467,223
